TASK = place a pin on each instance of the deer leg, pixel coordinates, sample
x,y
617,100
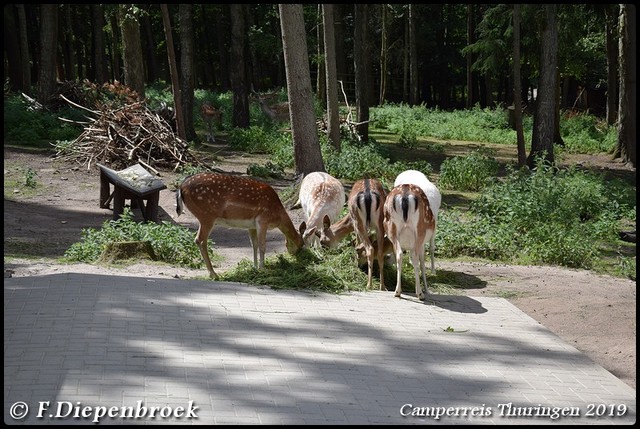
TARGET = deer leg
x,y
253,236
201,240
262,242
432,247
423,269
398,252
380,255
415,260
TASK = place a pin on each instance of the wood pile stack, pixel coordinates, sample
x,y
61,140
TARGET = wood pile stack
x,y
120,135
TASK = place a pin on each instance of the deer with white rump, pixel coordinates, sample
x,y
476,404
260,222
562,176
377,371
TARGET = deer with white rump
x,y
409,223
366,202
433,195
321,196
236,202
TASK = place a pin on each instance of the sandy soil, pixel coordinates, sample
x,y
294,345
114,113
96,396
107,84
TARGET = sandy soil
x,y
594,313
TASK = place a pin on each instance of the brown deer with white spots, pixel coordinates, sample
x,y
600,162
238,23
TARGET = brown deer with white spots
x,y
211,116
409,223
321,195
236,202
366,209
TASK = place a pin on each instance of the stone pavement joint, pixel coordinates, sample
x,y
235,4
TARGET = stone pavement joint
x,y
78,345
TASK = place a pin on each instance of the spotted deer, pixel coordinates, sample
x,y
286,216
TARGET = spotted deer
x,y
365,203
433,195
237,202
321,195
409,223
210,115
277,112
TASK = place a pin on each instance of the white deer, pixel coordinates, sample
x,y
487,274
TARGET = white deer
x,y
366,202
433,195
321,195
409,223
237,202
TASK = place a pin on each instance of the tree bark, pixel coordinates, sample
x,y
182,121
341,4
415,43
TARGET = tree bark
x,y
306,146
517,91
333,110
132,49
49,43
238,73
99,61
626,147
173,68
187,64
360,59
544,122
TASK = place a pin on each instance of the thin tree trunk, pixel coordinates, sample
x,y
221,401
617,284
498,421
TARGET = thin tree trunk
x,y
333,111
132,49
545,115
24,49
49,43
173,69
306,146
517,91
626,147
238,73
383,54
97,25
187,64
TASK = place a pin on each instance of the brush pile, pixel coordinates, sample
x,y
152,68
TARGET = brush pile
x,y
121,131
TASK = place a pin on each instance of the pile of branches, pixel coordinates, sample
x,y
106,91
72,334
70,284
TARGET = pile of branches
x,y
119,135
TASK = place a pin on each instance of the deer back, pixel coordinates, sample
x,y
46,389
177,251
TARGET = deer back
x,y
235,201
431,191
408,217
366,202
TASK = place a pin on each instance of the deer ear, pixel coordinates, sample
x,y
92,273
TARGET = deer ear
x,y
302,228
310,232
326,222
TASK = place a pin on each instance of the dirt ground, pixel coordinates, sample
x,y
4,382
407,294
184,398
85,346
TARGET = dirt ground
x,y
594,313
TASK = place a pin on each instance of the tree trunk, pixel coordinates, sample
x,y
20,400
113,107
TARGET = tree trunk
x,y
238,73
413,57
470,40
626,147
99,61
173,69
517,91
306,146
610,22
360,58
24,50
545,114
132,48
321,75
49,43
333,110
383,54
187,63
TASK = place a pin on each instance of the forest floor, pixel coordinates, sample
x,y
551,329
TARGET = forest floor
x,y
594,313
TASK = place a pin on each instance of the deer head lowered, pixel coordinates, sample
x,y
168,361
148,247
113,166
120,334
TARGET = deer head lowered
x,y
237,202
321,195
366,202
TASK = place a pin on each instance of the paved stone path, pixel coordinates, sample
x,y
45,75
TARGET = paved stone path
x,y
81,348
